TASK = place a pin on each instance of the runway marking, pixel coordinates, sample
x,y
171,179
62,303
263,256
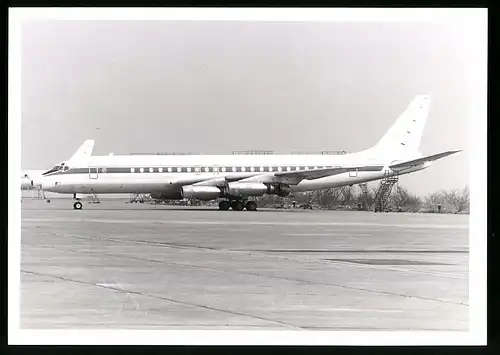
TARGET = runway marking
x,y
163,298
155,221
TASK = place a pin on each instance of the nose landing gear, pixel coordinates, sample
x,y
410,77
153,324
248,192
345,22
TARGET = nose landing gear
x,y
77,205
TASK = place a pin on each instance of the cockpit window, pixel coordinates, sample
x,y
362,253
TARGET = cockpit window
x,y
59,167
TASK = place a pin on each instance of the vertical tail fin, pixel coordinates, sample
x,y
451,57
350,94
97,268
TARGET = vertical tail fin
x,y
403,138
84,152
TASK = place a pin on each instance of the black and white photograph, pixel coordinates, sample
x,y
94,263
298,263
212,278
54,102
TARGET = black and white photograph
x,y
247,176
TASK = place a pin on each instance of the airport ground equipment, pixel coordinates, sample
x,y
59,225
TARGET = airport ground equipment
x,y
92,198
33,194
384,192
141,198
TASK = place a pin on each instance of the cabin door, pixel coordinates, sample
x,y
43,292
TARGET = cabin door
x,y
93,173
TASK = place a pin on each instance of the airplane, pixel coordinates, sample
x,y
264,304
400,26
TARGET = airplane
x,y
235,178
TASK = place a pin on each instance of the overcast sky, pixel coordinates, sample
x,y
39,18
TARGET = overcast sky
x,y
215,87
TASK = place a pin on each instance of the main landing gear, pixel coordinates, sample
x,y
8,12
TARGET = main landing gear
x,y
237,205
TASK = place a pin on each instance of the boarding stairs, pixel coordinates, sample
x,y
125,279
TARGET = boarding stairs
x,y
384,193
92,198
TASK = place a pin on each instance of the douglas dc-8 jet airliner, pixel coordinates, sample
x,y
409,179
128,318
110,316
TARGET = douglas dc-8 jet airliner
x,y
234,178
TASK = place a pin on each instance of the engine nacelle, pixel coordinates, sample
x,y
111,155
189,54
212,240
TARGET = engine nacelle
x,y
246,189
280,190
201,192
239,189
167,195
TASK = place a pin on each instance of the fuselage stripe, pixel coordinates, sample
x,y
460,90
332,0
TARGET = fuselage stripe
x,y
190,169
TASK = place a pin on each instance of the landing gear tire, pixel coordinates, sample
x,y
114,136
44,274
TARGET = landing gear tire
x,y
237,205
251,206
224,205
77,205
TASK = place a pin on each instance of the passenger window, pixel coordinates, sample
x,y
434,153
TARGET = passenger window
x,y
160,170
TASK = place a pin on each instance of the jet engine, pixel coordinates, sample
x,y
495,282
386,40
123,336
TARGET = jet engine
x,y
246,189
281,190
256,189
201,192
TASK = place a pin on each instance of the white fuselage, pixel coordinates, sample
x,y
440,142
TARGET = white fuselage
x,y
168,173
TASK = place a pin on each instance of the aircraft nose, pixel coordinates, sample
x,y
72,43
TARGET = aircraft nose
x,y
48,186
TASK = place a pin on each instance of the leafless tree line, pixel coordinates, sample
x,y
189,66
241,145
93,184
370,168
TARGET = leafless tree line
x,y
400,199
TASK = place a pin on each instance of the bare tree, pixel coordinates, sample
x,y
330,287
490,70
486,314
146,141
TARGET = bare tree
x,y
330,196
459,199
399,197
406,201
347,193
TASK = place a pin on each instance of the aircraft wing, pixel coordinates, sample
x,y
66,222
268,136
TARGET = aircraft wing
x,y
419,161
295,177
220,181
285,177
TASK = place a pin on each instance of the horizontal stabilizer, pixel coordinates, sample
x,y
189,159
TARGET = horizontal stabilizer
x,y
419,161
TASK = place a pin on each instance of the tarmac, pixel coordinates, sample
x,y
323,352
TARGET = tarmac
x,y
138,266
